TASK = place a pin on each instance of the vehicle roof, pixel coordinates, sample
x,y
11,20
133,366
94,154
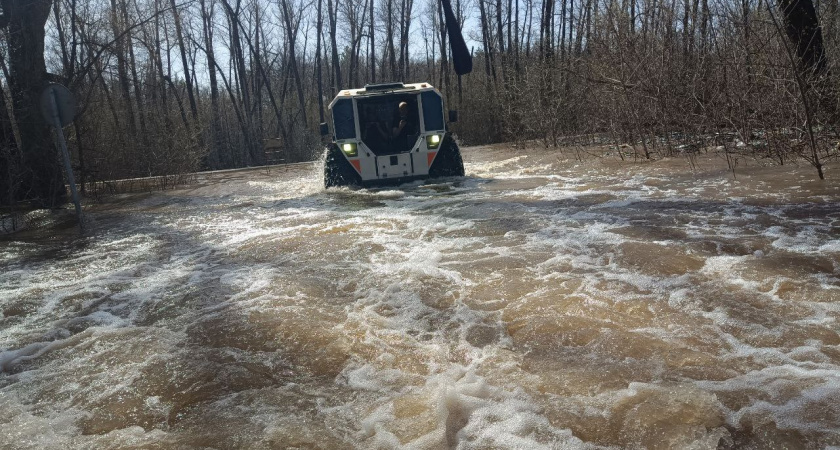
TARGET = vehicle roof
x,y
373,90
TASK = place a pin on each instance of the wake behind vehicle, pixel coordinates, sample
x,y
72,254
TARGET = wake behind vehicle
x,y
389,133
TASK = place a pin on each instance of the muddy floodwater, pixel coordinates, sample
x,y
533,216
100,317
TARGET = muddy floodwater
x,y
538,302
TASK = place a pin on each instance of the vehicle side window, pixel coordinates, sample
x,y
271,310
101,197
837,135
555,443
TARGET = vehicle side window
x,y
432,110
344,119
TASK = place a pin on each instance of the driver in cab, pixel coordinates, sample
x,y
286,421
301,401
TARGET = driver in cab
x,y
402,123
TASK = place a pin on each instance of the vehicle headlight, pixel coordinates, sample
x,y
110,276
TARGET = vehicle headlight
x,y
350,149
433,141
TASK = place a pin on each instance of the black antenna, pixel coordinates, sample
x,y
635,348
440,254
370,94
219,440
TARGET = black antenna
x,y
460,55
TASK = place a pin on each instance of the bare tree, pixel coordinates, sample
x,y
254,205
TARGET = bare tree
x,y
42,182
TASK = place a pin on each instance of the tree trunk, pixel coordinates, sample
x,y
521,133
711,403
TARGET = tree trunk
x,y
164,101
318,61
372,61
253,156
489,67
803,30
117,28
217,158
132,65
409,6
392,52
180,35
401,61
290,33
332,13
43,182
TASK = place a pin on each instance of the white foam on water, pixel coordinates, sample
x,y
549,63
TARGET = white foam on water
x,y
725,268
403,268
495,167
817,387
23,429
75,284
804,238
31,351
459,409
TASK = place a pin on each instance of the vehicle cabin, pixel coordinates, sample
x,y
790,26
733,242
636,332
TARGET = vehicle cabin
x,y
390,131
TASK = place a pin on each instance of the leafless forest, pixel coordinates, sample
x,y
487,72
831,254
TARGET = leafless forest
x,y
167,87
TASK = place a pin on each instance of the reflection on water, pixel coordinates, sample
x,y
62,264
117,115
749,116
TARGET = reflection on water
x,y
537,302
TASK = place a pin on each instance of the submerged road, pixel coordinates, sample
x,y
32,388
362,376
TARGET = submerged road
x,y
538,302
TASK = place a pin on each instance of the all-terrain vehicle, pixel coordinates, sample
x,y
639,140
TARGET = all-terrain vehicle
x,y
389,133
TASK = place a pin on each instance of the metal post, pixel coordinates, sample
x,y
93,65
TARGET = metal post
x,y
67,167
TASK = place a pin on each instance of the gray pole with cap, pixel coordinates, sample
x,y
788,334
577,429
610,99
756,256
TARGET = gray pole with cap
x,y
59,108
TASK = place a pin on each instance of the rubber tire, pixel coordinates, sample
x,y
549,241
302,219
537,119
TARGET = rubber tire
x,y
448,162
338,171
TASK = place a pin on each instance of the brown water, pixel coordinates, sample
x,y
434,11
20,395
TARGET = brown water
x,y
536,303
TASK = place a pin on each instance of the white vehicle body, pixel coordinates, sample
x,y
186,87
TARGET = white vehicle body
x,y
416,155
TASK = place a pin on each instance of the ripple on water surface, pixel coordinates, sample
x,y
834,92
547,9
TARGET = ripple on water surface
x,y
535,303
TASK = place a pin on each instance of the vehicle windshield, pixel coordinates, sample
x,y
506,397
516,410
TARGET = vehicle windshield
x,y
380,118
